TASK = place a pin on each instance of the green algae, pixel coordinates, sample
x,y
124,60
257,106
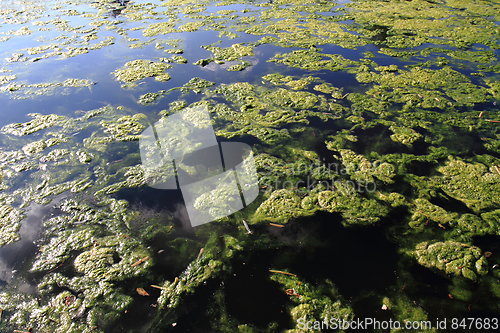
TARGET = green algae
x,y
341,197
196,85
136,70
472,183
360,169
312,60
425,211
299,84
452,258
97,270
9,219
150,98
311,304
191,26
252,120
423,87
280,207
162,28
231,53
409,24
39,122
194,275
126,128
355,209
34,147
405,135
239,67
6,79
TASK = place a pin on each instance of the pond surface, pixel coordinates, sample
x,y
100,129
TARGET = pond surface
x,y
374,132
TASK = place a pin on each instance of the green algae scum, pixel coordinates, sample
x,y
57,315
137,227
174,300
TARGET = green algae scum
x,y
375,129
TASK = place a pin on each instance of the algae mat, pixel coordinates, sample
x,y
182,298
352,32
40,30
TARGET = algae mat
x,y
375,131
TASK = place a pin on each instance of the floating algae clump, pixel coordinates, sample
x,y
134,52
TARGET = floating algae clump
x,y
313,303
239,67
424,210
289,81
136,70
9,224
313,60
34,147
195,274
149,98
191,26
196,85
126,128
280,207
105,255
160,28
471,183
6,78
404,135
355,209
231,53
424,87
94,263
469,223
360,169
452,258
404,24
342,197
262,112
39,122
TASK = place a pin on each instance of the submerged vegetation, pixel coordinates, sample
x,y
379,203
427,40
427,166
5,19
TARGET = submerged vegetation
x,y
380,115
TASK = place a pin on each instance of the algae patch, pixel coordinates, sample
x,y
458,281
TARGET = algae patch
x,y
136,70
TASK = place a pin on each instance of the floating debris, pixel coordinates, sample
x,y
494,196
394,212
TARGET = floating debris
x,y
140,261
281,272
142,292
246,227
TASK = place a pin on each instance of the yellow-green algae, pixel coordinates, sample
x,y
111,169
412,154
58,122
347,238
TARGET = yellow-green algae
x,y
136,70
231,53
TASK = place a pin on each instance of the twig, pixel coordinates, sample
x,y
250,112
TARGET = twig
x,y
199,254
277,225
53,269
140,261
420,306
345,96
281,272
497,169
158,287
246,227
481,114
493,121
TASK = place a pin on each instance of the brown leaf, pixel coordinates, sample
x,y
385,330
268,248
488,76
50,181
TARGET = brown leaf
x,y
142,292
